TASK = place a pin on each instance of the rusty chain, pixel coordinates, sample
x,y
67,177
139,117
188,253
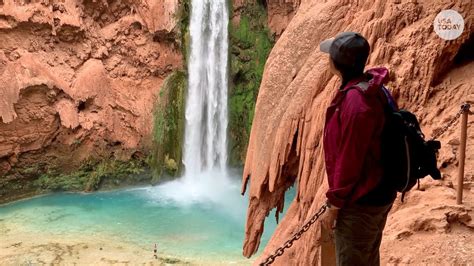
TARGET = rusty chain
x,y
279,251
464,108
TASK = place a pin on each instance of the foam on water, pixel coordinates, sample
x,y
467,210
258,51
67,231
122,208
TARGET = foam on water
x,y
211,188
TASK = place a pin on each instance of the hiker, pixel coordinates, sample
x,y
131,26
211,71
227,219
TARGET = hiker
x,y
155,250
359,198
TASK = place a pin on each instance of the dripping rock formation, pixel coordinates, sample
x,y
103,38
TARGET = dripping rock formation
x,y
429,76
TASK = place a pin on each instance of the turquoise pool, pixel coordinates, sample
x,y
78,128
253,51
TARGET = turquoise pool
x,y
185,219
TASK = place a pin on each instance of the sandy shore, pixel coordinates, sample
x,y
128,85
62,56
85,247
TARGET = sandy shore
x,y
20,247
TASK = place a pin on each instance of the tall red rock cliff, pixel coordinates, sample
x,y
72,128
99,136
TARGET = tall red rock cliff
x,y
80,78
429,76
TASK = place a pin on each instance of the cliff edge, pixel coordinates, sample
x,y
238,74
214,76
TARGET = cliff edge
x,y
429,76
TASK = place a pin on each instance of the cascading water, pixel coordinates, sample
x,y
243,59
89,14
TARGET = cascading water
x,y
205,177
205,146
199,217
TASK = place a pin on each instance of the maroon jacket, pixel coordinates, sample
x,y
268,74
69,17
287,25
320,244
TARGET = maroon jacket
x,y
352,138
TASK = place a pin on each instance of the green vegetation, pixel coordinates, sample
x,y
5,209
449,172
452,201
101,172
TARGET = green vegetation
x,y
251,43
168,126
168,114
93,175
183,16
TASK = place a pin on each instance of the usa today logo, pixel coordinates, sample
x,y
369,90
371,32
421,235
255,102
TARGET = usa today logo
x,y
448,24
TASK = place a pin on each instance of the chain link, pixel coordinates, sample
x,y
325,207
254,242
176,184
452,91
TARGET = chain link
x,y
279,251
464,108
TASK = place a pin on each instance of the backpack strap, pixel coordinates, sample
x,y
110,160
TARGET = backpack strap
x,y
391,102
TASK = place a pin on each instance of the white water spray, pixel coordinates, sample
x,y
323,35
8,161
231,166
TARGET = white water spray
x,y
205,177
205,142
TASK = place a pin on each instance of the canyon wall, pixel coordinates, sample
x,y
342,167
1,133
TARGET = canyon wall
x,y
429,76
250,43
79,79
256,25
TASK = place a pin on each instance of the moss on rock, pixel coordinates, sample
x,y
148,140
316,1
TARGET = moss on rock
x,y
251,43
168,127
168,114
93,175
183,17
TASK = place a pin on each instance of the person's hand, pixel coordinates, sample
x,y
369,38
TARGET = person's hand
x,y
328,220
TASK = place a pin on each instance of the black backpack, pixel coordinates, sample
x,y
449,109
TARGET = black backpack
x,y
406,156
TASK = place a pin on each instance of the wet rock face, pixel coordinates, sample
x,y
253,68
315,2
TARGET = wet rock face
x,y
80,78
427,77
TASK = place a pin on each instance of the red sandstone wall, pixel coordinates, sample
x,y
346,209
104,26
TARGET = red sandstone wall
x,y
79,78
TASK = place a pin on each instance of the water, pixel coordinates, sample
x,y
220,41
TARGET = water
x,y
193,230
206,104
200,216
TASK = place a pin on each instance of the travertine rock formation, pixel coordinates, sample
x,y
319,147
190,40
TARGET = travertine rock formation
x,y
429,76
79,78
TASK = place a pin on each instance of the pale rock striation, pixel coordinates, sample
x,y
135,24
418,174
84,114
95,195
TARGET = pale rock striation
x,y
429,76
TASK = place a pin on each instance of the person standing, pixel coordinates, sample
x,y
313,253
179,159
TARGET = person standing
x,y
359,198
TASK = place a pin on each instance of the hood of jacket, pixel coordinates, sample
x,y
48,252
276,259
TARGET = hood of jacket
x,y
371,81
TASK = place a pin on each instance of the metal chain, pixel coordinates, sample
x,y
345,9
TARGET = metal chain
x,y
279,251
464,108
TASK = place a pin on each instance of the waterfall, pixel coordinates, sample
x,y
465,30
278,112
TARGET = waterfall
x,y
205,177
205,142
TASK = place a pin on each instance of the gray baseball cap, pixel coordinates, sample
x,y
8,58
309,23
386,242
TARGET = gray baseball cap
x,y
347,48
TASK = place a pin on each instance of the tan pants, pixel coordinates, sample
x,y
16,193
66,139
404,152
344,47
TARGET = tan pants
x,y
358,235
